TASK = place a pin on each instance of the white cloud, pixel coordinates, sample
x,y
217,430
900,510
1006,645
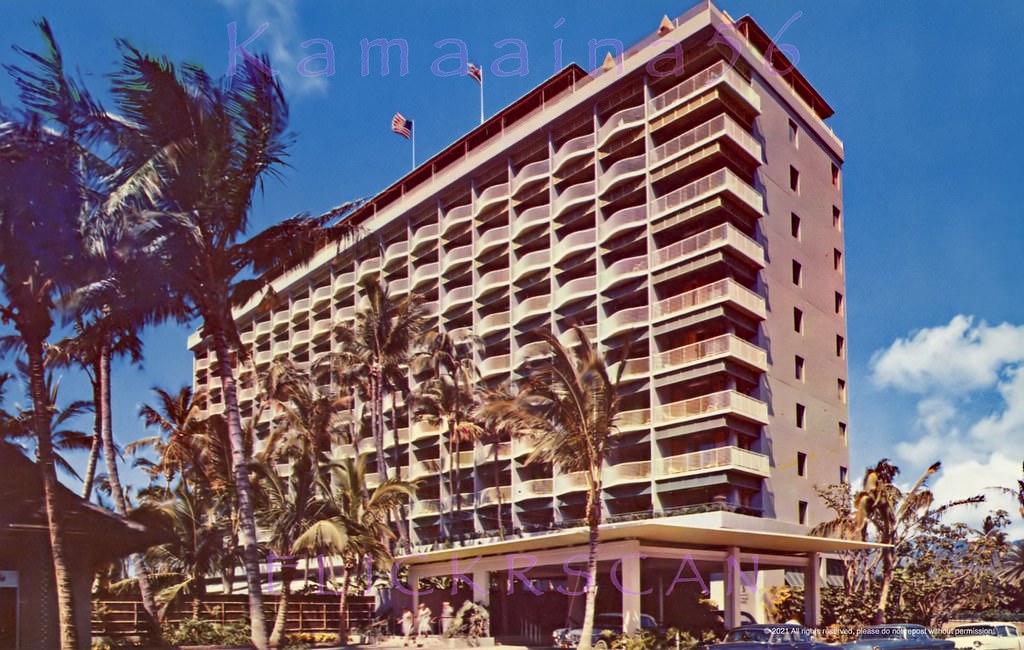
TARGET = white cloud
x,y
955,357
968,379
281,40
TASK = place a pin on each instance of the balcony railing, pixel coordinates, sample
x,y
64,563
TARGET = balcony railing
x,y
624,119
570,338
532,351
424,235
424,468
458,296
720,72
534,261
344,283
492,280
538,214
493,495
722,458
456,256
465,460
533,171
722,235
621,170
399,286
634,419
713,128
721,180
531,307
725,401
726,290
425,507
321,295
575,290
491,197
579,193
578,146
424,273
423,429
726,345
633,217
571,482
485,453
582,240
495,365
369,267
491,238
623,270
632,472
538,487
494,322
456,216
624,320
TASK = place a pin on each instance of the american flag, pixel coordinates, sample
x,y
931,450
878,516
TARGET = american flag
x,y
401,126
476,73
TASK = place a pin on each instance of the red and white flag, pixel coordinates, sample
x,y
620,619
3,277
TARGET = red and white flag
x,y
401,126
476,73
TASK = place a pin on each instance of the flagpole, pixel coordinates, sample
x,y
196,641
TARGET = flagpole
x,y
413,138
481,97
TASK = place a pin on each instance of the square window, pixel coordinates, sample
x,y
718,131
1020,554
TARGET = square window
x,y
794,179
801,509
843,478
842,430
839,303
798,320
837,219
793,132
801,416
840,346
798,368
797,272
841,389
801,463
835,175
794,225
837,259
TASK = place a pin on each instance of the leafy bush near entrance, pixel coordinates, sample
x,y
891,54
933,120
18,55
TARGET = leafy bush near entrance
x,y
471,621
670,640
189,632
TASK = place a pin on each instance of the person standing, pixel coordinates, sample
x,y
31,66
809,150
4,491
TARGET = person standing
x,y
407,626
423,623
447,617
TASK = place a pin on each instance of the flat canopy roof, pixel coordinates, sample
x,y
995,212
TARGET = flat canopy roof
x,y
705,530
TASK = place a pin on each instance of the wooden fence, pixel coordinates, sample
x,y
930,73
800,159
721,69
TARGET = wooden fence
x,y
306,613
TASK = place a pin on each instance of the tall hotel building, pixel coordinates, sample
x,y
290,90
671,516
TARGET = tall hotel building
x,y
692,213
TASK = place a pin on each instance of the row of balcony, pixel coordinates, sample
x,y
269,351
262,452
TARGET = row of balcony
x,y
721,73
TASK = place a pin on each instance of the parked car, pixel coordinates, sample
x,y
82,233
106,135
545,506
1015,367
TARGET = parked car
x,y
996,635
569,637
898,636
769,637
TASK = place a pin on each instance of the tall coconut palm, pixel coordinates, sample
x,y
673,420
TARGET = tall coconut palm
x,y
357,526
208,146
40,201
376,350
567,407
179,441
895,517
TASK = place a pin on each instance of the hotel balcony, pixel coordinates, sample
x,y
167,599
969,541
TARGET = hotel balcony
x,y
491,240
422,430
395,255
571,482
715,460
492,198
723,180
399,287
723,402
493,323
465,461
369,267
373,478
424,237
345,314
491,282
529,174
492,495
456,298
633,420
531,263
623,271
521,447
344,284
532,352
574,291
485,453
719,292
622,473
494,366
535,217
623,221
281,320
575,195
722,236
423,468
622,170
248,338
263,328
578,146
425,507
456,258
719,75
624,120
424,274
682,151
570,338
301,337
625,320
282,347
535,489
455,217
581,241
727,346
530,308
322,328
321,296
389,438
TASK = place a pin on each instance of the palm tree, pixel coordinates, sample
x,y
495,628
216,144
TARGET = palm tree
x,y
376,350
40,200
207,147
896,518
357,526
567,407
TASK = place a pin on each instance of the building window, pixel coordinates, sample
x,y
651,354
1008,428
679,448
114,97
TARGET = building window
x,y
843,478
794,225
801,416
798,368
801,463
842,431
793,133
798,320
794,179
840,346
837,219
797,269
835,174
837,259
839,303
802,511
841,389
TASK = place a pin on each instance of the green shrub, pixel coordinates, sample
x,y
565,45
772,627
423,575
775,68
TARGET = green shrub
x,y
471,621
189,632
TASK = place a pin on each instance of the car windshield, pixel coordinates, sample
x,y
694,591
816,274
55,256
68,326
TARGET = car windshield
x,y
974,630
748,635
608,620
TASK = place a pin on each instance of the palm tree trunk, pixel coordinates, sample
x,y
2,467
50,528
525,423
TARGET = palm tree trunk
x,y
54,519
243,491
103,409
346,576
376,422
497,482
281,620
594,522
94,457
883,596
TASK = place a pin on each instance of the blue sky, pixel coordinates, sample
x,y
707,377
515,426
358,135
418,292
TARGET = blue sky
x,y
926,94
